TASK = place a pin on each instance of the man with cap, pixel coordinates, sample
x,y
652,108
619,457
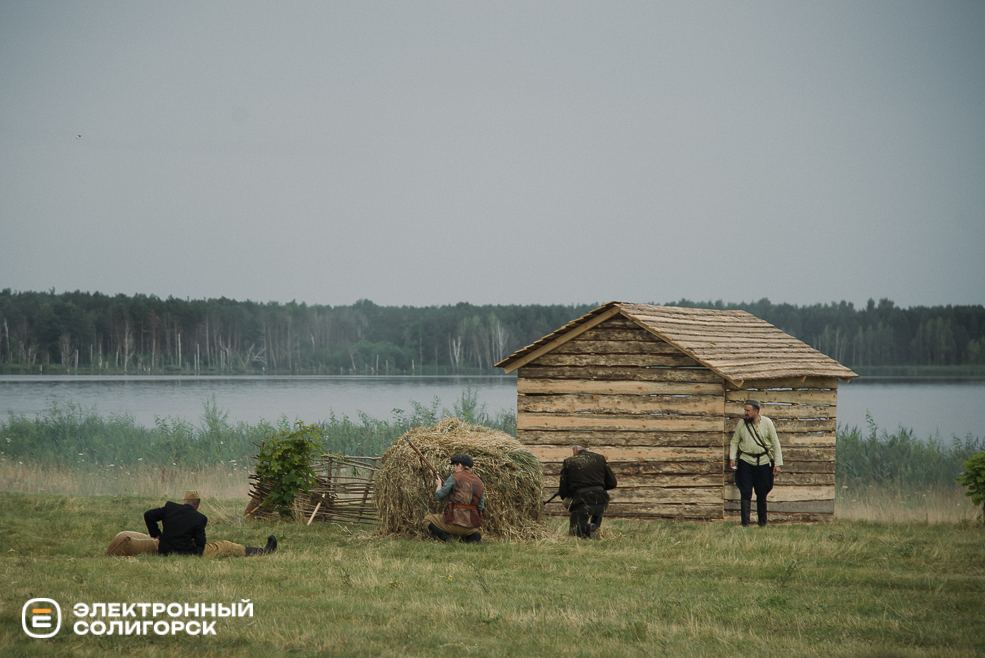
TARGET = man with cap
x,y
184,532
759,460
466,497
585,480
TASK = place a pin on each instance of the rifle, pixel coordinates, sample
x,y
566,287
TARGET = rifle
x,y
424,459
552,497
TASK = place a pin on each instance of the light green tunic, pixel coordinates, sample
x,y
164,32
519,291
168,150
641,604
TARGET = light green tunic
x,y
743,440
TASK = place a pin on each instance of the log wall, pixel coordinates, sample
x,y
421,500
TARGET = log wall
x,y
804,412
656,414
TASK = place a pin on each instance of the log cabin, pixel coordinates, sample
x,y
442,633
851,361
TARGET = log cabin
x,y
659,390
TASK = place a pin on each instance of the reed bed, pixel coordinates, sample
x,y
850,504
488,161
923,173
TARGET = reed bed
x,y
879,457
72,435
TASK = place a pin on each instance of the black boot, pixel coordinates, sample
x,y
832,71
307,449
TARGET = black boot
x,y
761,511
440,534
474,538
266,550
745,507
593,531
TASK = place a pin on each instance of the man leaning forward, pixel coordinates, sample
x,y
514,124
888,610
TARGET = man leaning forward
x,y
466,497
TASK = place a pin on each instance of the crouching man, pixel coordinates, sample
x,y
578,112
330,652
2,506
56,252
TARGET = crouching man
x,y
183,534
466,497
585,481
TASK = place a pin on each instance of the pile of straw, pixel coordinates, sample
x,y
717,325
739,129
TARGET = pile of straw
x,y
512,476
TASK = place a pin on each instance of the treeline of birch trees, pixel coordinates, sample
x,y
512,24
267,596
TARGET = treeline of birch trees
x,y
82,332
95,333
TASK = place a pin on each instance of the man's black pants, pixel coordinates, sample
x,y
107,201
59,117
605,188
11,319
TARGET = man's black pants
x,y
749,478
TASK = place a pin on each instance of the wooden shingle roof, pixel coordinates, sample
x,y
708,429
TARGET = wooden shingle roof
x,y
735,344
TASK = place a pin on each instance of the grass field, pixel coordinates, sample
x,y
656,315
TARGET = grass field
x,y
851,587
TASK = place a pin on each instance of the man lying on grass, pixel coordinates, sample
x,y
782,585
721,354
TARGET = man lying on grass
x,y
183,534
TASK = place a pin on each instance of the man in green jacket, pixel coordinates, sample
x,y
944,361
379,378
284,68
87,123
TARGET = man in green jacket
x,y
758,460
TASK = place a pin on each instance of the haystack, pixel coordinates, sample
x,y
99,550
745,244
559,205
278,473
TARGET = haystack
x,y
514,482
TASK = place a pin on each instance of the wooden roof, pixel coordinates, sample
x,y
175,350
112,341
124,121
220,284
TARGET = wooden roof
x,y
737,345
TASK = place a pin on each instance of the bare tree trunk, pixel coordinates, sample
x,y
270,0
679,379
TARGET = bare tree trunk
x,y
128,345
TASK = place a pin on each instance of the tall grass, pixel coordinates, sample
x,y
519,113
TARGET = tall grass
x,y
880,458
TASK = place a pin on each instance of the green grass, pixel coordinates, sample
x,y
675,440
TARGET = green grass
x,y
846,588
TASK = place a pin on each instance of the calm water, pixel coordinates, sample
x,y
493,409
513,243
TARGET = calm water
x,y
928,406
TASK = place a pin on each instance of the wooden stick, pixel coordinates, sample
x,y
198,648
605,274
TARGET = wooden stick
x,y
316,509
424,460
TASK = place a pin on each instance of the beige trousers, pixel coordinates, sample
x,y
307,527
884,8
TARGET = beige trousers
x,y
451,528
137,543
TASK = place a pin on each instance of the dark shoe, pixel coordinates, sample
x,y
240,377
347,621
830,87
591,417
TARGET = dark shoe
x,y
745,509
593,531
761,512
266,550
440,534
474,538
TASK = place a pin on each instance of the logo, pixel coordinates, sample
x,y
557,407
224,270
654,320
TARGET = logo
x,y
41,618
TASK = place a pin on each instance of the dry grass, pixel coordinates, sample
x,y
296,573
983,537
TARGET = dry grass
x,y
511,474
901,503
892,503
223,481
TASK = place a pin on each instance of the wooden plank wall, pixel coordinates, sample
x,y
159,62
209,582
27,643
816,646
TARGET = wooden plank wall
x,y
655,413
804,413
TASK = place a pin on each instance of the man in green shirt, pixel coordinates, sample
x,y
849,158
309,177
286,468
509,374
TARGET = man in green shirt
x,y
759,460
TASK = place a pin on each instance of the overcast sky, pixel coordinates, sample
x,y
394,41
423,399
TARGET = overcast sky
x,y
427,153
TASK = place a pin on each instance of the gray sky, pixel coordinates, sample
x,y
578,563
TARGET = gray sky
x,y
429,153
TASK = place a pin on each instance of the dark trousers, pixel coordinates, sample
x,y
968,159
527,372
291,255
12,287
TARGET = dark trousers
x,y
749,478
581,515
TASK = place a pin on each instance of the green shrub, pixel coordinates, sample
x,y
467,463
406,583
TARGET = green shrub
x,y
974,479
285,462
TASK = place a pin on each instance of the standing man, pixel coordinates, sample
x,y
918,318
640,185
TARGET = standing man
x,y
585,479
759,460
184,532
466,500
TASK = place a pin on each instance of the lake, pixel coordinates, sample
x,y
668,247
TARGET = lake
x,y
931,407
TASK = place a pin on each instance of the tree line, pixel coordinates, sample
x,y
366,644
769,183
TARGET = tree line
x,y
95,333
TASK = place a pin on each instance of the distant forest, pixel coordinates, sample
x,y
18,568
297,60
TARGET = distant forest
x,y
81,332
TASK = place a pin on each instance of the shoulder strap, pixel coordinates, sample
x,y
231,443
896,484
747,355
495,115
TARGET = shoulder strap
x,y
758,440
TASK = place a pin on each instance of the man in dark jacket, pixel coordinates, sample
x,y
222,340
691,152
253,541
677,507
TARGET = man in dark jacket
x,y
184,532
585,479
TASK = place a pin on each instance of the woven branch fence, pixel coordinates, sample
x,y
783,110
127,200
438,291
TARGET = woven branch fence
x,y
343,492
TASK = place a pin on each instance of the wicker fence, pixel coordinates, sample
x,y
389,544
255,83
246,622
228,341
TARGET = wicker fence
x,y
343,492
